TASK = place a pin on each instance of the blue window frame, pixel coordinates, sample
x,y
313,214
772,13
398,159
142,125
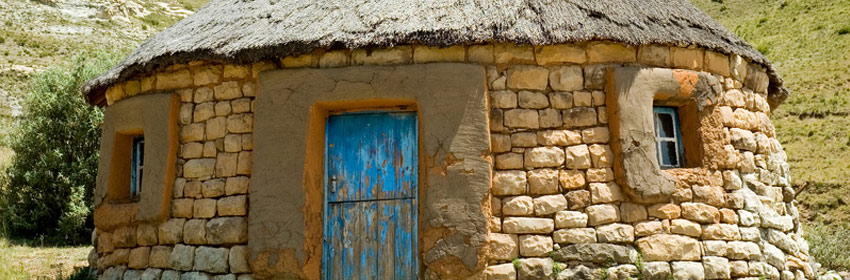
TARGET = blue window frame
x,y
137,166
668,137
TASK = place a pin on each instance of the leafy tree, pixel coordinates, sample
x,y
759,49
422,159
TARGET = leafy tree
x,y
50,181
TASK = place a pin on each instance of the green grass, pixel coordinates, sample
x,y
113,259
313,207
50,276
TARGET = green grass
x,y
26,259
808,42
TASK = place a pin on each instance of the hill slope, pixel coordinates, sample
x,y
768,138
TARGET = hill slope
x,y
809,44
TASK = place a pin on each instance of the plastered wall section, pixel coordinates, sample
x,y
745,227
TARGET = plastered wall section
x,y
285,229
550,215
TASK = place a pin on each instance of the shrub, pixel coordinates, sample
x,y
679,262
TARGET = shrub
x,y
829,246
50,181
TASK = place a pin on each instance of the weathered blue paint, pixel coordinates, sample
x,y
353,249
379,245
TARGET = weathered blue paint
x,y
371,168
668,137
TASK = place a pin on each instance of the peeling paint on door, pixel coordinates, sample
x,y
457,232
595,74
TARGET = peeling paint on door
x,y
371,180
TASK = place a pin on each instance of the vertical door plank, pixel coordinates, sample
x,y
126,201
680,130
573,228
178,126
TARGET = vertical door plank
x,y
371,203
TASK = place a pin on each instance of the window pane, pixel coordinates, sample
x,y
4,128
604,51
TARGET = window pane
x,y
669,154
665,121
137,165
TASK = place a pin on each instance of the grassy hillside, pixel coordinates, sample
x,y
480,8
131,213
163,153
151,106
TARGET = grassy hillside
x,y
808,42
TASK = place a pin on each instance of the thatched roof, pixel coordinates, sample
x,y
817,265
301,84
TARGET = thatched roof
x,y
245,31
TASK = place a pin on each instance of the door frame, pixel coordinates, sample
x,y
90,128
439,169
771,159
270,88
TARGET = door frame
x,y
326,181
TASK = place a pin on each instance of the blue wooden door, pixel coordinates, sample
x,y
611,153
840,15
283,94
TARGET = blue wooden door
x,y
370,229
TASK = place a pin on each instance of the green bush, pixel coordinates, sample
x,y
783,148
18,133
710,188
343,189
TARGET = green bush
x,y
50,181
829,246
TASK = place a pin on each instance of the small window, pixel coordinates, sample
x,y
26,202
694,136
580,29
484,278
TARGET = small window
x,y
138,164
668,138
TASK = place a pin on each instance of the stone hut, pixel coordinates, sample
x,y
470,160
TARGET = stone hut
x,y
444,140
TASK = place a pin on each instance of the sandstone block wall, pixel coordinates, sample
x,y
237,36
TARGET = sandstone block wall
x,y
556,210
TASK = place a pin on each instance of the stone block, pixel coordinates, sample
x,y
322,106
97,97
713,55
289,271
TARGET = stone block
x,y
711,195
426,54
648,228
688,270
561,100
739,250
602,214
558,138
566,78
238,259
159,257
124,237
560,53
213,188
482,54
605,193
656,271
544,157
595,135
524,139
235,71
599,253
233,206
577,157
194,232
655,55
388,56
186,112
631,212
139,257
548,204
601,52
578,199
550,118
582,99
199,168
240,123
532,100
601,156
543,181
228,91
182,257
524,225
503,247
213,260
600,175
687,58
244,163
236,185
571,179
527,77
535,245
575,235
228,230
509,182
174,80
742,139
509,161
615,233
570,219
204,208
518,206
720,232
510,53
522,118
504,99
146,235
717,63
580,117
171,231
685,227
500,272
700,212
535,268
192,132
667,247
